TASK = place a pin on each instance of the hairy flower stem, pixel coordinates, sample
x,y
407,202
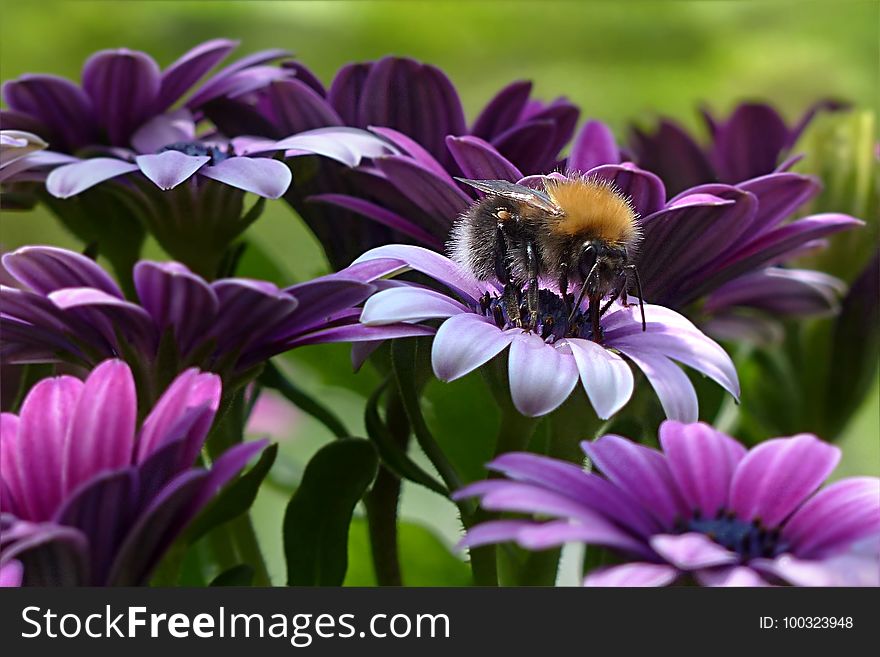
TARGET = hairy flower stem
x,y
382,502
239,533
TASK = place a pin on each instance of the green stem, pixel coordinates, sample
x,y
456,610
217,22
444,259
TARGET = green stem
x,y
238,534
382,503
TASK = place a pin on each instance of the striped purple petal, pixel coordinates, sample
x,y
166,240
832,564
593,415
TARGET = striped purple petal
x,y
181,75
503,111
594,146
64,110
123,86
702,461
835,517
47,268
190,390
102,428
40,446
642,472
569,479
479,160
176,298
777,476
414,98
296,107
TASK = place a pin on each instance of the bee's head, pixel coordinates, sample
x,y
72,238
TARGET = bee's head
x,y
608,255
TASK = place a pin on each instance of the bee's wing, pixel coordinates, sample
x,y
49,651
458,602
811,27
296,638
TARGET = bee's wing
x,y
521,193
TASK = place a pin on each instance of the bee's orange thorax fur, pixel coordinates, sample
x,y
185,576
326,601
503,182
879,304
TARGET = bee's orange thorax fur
x,y
594,208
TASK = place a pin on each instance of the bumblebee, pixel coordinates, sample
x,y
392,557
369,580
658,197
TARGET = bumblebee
x,y
579,231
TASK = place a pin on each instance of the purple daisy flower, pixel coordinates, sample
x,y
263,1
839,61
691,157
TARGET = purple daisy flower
x,y
90,497
704,509
417,108
545,365
119,126
752,142
71,310
123,91
692,244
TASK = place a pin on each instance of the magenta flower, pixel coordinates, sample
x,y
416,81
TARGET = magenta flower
x,y
92,497
703,509
69,309
754,141
545,365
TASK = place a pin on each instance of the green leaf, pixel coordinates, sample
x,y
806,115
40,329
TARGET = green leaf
x,y
240,575
271,377
425,559
393,456
235,499
319,513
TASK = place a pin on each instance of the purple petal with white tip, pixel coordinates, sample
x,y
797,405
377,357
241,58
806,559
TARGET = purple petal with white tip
x,y
408,304
167,170
262,176
541,375
606,377
71,179
465,342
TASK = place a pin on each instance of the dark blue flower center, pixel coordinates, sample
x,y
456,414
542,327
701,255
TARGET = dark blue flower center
x,y
750,540
553,314
195,148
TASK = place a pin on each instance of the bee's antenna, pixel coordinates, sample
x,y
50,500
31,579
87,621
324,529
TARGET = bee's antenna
x,y
635,271
582,292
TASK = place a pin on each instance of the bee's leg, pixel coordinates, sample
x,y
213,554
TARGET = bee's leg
x,y
510,295
620,291
595,316
635,272
563,285
532,293
510,298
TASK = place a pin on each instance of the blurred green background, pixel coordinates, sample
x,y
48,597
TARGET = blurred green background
x,y
620,61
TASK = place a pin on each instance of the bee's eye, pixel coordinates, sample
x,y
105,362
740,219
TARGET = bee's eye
x,y
502,215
